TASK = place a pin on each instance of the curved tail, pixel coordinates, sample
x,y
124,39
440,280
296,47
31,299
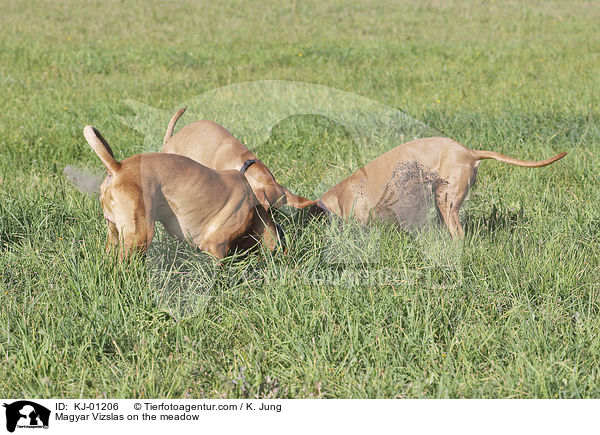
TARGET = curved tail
x,y
172,123
101,148
480,155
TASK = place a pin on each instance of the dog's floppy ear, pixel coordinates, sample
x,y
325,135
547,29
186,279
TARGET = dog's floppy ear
x,y
297,201
101,148
263,199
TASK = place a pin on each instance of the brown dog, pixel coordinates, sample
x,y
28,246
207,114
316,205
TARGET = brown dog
x,y
398,185
212,145
213,210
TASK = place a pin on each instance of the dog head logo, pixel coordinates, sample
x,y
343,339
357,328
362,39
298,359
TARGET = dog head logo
x,y
26,414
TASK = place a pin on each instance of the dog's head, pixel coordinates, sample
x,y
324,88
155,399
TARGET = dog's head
x,y
269,192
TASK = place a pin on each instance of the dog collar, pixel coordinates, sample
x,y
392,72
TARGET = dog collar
x,y
246,165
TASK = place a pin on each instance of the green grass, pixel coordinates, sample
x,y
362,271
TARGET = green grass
x,y
516,316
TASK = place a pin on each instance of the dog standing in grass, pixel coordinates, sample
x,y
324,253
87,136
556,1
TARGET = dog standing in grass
x,y
214,210
399,184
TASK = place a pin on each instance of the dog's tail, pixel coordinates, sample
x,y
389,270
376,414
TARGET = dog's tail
x,y
172,123
297,201
101,148
512,161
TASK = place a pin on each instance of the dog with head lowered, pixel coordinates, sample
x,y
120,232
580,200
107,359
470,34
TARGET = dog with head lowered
x,y
399,184
212,145
213,210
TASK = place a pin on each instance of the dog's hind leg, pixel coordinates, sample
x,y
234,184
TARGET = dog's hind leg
x,y
449,197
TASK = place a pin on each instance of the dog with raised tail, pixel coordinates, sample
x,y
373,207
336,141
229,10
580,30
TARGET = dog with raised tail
x,y
399,184
213,210
212,145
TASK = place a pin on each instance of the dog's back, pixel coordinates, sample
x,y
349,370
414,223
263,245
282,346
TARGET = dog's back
x,y
209,144
214,146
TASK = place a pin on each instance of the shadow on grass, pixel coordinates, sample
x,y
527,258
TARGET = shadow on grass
x,y
498,219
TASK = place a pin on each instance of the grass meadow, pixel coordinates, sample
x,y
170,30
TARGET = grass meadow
x,y
517,314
